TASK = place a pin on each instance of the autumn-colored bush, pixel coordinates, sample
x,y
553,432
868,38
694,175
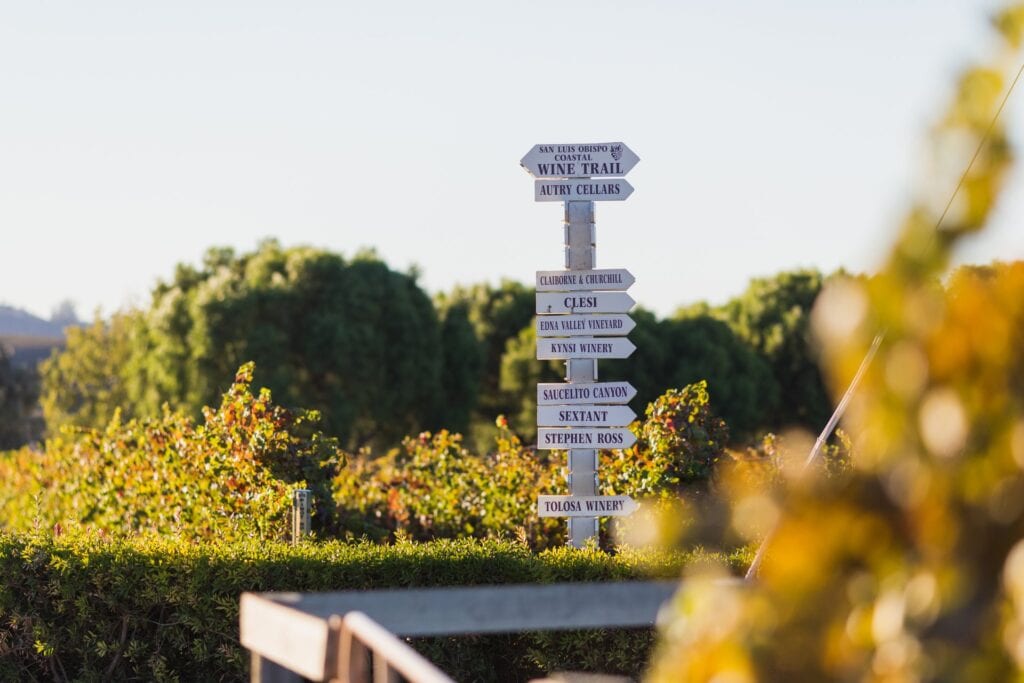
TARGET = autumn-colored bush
x,y
433,487
231,476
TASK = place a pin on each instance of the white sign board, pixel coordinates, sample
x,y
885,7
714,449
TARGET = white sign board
x,y
553,393
616,324
585,506
561,348
583,302
574,280
583,438
572,160
584,416
581,190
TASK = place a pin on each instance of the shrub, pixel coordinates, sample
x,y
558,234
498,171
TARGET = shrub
x,y
86,606
432,487
232,476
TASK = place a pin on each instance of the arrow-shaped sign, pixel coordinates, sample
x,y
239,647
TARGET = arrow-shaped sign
x,y
584,324
585,506
581,190
579,160
574,280
550,348
583,438
584,302
550,394
584,416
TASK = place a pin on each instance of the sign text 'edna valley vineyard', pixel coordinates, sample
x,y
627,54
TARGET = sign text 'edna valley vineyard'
x,y
617,324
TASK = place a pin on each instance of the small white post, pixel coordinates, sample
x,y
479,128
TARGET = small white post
x,y
300,514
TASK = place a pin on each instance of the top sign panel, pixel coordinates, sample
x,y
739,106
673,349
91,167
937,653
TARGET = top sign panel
x,y
604,159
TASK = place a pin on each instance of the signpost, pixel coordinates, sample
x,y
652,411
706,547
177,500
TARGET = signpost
x,y
580,318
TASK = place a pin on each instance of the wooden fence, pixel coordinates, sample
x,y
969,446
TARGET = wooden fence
x,y
346,636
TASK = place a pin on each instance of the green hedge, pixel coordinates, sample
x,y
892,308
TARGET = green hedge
x,y
85,606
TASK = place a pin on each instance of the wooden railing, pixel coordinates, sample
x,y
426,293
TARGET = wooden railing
x,y
345,636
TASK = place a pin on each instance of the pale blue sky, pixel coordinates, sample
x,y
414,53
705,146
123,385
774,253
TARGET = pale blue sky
x,y
772,135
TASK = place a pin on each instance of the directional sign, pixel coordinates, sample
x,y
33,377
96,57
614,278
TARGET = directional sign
x,y
579,160
584,324
574,280
581,190
550,394
584,416
585,506
584,302
550,348
580,437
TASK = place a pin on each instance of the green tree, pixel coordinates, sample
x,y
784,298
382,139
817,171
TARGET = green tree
x,y
745,392
773,317
18,394
520,373
351,338
461,364
86,382
497,315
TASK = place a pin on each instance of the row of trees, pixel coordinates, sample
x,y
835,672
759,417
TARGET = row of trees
x,y
367,347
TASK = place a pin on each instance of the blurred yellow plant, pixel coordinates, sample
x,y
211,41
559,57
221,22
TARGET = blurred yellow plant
x,y
911,568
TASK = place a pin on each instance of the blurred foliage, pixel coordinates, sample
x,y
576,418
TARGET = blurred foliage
x,y
230,477
910,567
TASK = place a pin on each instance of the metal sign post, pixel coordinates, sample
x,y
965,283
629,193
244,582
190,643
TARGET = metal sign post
x,y
580,319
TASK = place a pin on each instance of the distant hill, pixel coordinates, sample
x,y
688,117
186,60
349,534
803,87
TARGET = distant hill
x,y
16,322
28,338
